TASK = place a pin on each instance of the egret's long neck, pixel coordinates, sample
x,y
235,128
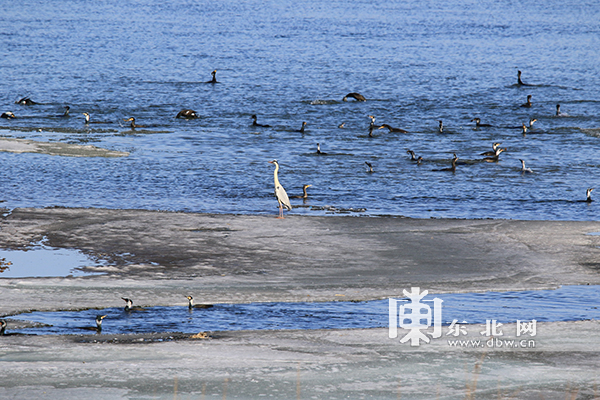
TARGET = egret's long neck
x,y
275,175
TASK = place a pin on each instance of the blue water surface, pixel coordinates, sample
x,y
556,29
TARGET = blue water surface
x,y
568,303
416,62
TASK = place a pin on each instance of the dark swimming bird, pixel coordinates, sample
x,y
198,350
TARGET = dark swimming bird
x,y
353,95
369,167
478,123
441,127
133,124
98,327
371,125
301,130
413,156
341,126
25,101
531,122
560,114
319,150
493,152
525,169
129,305
496,156
8,115
254,123
187,114
191,304
304,195
3,332
87,120
66,113
214,77
280,194
528,103
588,194
392,129
453,167
519,81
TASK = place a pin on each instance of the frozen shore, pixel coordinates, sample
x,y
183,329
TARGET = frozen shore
x,y
158,257
330,364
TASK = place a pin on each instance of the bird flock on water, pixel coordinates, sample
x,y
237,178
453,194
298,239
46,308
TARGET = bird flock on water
x,y
129,307
280,193
490,156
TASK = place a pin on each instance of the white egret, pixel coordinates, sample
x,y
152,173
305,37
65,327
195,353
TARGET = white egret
x,y
280,194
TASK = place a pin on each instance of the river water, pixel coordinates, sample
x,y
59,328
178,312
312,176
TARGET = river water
x,y
568,303
416,62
